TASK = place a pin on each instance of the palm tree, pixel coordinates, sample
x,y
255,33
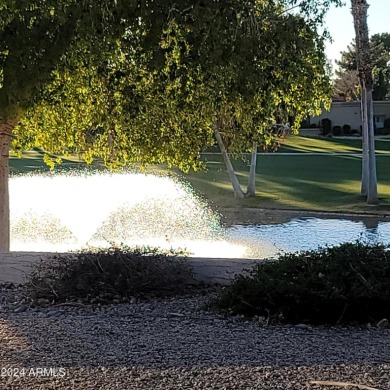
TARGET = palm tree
x,y
369,179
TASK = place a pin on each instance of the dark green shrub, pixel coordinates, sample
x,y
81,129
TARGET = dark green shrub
x,y
382,131
378,131
336,130
326,126
346,129
386,131
386,123
305,124
343,284
106,274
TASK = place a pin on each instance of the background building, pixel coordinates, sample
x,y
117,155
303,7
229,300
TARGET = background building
x,y
348,113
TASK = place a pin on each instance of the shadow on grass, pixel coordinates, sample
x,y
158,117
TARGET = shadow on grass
x,y
301,144
327,183
33,161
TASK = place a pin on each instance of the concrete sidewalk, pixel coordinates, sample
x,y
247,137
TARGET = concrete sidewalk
x,y
16,266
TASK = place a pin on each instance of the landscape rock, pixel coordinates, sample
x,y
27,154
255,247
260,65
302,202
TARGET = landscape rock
x,y
20,309
170,315
43,301
176,344
53,313
302,326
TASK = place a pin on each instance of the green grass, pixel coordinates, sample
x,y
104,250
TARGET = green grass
x,y
32,160
301,181
296,143
301,144
320,182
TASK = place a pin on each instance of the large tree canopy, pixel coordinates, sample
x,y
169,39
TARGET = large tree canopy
x,y
148,80
160,103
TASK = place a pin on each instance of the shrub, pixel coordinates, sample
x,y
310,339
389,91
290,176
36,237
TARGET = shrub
x,y
382,131
105,274
305,124
349,283
386,123
346,129
336,130
378,131
326,126
386,131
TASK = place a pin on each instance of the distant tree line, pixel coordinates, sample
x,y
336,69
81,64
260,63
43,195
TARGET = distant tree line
x,y
347,81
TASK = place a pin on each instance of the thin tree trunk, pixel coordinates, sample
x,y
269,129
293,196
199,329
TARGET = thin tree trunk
x,y
372,194
238,193
251,189
365,142
6,128
359,13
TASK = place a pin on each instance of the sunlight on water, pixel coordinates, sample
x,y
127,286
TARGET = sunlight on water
x,y
63,212
307,234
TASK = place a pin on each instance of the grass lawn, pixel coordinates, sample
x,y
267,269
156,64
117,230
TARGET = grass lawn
x,y
300,144
32,160
326,183
320,145
299,181
330,145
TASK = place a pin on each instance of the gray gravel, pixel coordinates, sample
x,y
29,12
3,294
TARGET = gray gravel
x,y
174,344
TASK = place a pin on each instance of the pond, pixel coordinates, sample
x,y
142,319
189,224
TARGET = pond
x,y
264,241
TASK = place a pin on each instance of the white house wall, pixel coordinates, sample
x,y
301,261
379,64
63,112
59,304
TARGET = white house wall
x,y
348,113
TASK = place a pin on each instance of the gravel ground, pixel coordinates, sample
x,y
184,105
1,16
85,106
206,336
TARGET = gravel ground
x,y
175,344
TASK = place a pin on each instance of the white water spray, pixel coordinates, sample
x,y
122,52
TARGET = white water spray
x,y
62,212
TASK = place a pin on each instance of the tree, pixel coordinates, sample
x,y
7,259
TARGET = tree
x,y
47,38
380,58
347,75
126,100
34,37
291,82
369,178
346,86
85,76
272,71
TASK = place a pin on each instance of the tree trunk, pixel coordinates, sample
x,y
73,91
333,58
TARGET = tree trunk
x,y
238,193
372,194
6,128
251,189
359,13
365,142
